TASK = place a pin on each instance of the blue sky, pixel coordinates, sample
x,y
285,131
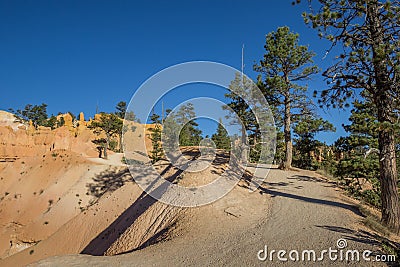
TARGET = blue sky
x,y
75,55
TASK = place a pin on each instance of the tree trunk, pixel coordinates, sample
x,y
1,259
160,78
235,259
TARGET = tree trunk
x,y
100,149
388,178
120,143
244,149
106,147
386,136
288,137
387,165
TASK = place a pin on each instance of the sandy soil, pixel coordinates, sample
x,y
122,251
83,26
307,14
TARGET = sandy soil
x,y
293,210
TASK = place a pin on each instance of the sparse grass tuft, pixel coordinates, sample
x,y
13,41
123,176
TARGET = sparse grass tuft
x,y
375,225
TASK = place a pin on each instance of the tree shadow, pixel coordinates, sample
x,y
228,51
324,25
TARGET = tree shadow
x,y
221,158
364,237
357,236
100,244
308,179
108,181
274,193
276,184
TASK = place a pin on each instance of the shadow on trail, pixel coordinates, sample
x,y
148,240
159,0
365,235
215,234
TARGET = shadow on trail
x,y
367,238
304,178
275,193
356,236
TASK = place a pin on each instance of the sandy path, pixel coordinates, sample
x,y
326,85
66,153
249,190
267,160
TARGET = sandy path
x,y
113,160
293,210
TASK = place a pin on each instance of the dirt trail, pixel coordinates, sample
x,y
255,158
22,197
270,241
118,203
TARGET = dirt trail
x,y
292,210
114,159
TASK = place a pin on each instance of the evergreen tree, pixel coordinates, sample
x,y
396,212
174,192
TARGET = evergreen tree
x,y
122,112
35,113
121,109
60,122
221,138
51,122
245,117
357,162
170,136
128,116
157,151
190,135
368,35
278,120
305,143
285,64
110,125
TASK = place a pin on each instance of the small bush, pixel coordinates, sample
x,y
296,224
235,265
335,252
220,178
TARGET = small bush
x,y
113,145
372,197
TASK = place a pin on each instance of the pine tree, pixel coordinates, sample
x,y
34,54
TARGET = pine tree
x,y
244,117
35,113
305,143
123,114
368,35
285,64
221,138
357,162
51,122
190,135
170,137
110,125
157,151
121,109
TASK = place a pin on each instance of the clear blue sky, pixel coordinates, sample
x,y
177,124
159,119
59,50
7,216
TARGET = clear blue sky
x,y
74,55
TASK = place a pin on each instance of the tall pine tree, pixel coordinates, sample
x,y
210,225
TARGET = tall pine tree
x,y
367,33
285,64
